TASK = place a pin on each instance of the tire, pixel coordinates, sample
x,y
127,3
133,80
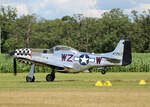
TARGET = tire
x,y
50,77
103,72
29,79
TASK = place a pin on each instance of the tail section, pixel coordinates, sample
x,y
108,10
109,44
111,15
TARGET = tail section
x,y
123,52
127,57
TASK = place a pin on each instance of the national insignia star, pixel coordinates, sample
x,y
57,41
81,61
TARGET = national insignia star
x,y
84,59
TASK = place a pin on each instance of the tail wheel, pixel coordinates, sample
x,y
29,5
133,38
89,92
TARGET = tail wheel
x,y
103,72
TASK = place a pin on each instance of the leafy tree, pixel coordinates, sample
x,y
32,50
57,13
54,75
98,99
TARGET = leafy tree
x,y
87,34
21,32
7,19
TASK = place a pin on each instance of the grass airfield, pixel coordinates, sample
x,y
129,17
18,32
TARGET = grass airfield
x,y
74,90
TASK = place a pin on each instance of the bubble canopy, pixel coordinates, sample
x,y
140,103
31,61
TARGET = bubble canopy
x,y
62,48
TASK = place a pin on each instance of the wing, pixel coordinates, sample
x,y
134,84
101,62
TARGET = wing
x,y
32,56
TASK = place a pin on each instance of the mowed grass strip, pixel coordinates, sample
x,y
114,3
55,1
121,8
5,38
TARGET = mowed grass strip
x,y
80,80
74,90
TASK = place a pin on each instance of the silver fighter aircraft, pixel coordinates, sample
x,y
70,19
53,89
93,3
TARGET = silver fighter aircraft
x,y
65,59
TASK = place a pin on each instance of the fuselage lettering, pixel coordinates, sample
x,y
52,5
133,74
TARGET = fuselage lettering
x,y
66,57
98,60
69,57
63,57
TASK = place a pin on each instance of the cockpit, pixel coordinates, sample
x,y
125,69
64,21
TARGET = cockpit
x,y
62,48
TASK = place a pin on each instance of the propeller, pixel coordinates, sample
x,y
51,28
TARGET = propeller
x,y
11,53
8,56
15,66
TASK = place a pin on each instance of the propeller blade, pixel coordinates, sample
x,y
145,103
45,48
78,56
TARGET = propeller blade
x,y
15,67
11,53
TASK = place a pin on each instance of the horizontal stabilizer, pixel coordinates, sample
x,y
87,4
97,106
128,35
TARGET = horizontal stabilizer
x,y
121,54
113,60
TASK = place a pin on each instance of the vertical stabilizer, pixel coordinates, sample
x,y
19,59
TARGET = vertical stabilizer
x,y
123,52
127,57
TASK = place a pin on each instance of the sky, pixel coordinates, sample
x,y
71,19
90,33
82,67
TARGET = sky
x,y
52,9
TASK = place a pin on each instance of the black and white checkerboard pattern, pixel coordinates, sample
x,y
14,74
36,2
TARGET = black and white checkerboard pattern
x,y
23,52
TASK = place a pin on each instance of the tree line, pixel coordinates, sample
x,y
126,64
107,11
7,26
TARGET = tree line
x,y
83,33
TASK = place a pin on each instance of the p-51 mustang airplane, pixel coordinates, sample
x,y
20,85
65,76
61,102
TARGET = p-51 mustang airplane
x,y
68,60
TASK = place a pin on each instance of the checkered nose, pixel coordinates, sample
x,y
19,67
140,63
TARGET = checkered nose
x,y
23,52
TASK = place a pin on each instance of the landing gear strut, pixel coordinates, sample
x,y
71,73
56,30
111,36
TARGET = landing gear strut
x,y
30,77
50,77
103,70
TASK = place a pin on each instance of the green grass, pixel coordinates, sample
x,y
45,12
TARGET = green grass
x,y
81,81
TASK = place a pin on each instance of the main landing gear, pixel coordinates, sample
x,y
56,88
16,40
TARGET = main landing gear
x,y
50,77
30,77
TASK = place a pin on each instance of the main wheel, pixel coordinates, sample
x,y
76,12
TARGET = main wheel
x,y
50,77
29,79
103,72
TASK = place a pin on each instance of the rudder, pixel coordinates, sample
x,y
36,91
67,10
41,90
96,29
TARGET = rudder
x,y
127,57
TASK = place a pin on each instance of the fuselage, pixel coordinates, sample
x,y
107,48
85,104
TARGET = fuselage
x,y
68,60
65,59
